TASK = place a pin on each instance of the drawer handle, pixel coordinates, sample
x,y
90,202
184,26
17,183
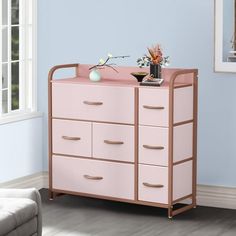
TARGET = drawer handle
x,y
71,138
113,142
93,103
153,147
153,107
153,185
93,177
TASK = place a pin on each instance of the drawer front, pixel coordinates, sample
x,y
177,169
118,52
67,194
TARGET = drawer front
x,y
153,145
153,184
115,142
153,107
90,102
93,177
71,137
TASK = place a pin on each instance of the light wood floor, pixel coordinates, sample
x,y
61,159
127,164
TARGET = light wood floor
x,y
79,216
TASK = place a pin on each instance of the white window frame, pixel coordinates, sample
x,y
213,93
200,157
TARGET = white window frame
x,y
28,88
220,64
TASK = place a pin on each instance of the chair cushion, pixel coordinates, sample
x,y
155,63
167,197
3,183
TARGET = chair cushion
x,y
27,229
15,212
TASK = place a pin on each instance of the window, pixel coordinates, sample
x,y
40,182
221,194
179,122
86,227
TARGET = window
x,y
17,57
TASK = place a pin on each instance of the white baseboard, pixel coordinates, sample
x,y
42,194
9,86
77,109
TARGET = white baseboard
x,y
38,181
216,196
211,196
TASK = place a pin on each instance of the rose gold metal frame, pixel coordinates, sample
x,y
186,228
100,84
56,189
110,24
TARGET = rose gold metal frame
x,y
172,86
171,163
136,142
50,78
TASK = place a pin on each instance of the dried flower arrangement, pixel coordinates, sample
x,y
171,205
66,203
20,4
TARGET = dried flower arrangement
x,y
103,63
155,57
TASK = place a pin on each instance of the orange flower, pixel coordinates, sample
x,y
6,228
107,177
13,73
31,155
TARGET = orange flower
x,y
156,55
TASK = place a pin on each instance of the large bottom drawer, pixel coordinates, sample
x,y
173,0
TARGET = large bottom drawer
x,y
93,177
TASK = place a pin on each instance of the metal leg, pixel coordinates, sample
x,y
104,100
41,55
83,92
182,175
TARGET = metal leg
x,y
51,195
170,210
194,202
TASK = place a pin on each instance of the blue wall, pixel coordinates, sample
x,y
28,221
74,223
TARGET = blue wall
x,y
21,149
83,31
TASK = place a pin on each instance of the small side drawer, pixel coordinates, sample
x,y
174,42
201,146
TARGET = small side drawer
x,y
153,184
153,106
91,102
114,142
153,145
93,177
71,137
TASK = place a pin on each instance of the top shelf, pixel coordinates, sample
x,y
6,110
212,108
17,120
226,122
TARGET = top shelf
x,y
175,76
112,82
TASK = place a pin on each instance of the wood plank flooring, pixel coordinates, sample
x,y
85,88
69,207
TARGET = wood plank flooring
x,y
80,216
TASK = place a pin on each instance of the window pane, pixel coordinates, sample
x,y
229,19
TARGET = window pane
x,y
4,12
4,101
14,12
30,42
29,81
30,18
4,44
4,76
15,86
15,43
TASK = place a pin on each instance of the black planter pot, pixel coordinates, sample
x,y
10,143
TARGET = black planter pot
x,y
155,71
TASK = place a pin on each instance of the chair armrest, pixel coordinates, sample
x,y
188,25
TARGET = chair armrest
x,y
30,193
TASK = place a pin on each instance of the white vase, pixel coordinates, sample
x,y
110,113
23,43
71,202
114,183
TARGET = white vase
x,y
95,75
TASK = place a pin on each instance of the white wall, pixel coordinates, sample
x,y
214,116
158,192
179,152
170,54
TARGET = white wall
x,y
21,149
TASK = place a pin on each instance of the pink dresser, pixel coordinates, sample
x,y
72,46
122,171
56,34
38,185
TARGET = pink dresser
x,y
120,141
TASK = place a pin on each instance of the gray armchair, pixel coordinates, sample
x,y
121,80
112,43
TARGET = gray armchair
x,y
20,212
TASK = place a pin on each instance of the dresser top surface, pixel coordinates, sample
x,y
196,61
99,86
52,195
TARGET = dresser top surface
x,y
111,82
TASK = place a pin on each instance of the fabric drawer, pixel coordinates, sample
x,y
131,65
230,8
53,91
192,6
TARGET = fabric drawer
x,y
115,142
93,177
71,137
96,103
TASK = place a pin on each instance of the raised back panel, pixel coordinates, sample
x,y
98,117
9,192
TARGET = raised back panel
x,y
124,73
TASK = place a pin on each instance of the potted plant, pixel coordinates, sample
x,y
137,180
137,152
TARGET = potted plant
x,y
95,75
155,60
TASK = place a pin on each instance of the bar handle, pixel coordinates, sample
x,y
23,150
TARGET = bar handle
x,y
153,185
113,142
153,107
153,147
93,177
93,103
71,138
